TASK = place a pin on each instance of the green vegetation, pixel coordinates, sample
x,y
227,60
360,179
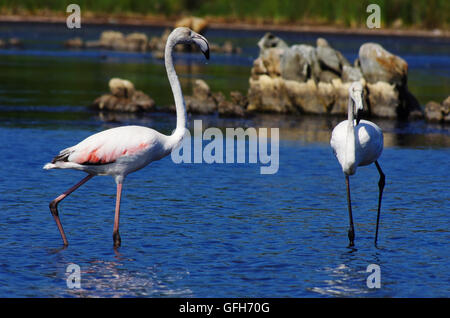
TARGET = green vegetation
x,y
419,13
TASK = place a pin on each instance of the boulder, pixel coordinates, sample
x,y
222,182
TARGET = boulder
x,y
328,59
231,108
268,94
379,65
300,63
271,41
123,98
383,99
121,88
109,39
435,112
351,73
201,101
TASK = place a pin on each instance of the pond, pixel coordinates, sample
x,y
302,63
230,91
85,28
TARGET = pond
x,y
214,230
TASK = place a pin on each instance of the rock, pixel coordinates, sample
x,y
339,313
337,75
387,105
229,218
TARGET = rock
x,y
194,23
271,61
433,111
351,74
75,43
109,39
383,99
377,64
299,63
121,88
304,97
136,42
201,101
124,98
267,94
226,108
328,59
322,42
327,76
270,41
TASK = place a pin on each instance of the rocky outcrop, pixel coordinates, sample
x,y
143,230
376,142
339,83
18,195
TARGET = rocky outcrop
x,y
203,101
306,79
139,42
438,112
123,98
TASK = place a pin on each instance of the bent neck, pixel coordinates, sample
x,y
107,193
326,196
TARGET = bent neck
x,y
176,88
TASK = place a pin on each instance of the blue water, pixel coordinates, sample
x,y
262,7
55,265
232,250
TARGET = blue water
x,y
223,230
213,230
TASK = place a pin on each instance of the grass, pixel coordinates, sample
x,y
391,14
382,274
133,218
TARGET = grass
x,y
426,14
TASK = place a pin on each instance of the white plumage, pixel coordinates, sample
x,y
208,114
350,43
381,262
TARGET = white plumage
x,y
357,143
122,150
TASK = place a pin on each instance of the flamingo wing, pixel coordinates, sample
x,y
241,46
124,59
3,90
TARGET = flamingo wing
x,y
107,146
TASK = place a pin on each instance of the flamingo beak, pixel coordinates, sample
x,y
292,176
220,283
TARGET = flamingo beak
x,y
202,43
358,108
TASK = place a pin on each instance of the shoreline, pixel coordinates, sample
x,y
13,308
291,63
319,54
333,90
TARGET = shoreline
x,y
217,23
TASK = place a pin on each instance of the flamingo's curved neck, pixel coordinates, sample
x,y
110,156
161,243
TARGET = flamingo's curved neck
x,y
176,88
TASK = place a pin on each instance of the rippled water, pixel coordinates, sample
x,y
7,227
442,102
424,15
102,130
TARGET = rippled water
x,y
219,230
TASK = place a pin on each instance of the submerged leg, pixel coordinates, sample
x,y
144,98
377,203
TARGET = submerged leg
x,y
381,184
54,206
116,236
351,231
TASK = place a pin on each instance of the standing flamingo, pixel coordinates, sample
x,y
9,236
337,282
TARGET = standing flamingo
x,y
357,143
119,151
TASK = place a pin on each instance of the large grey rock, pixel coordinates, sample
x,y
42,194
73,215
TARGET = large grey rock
x,y
328,59
377,64
300,63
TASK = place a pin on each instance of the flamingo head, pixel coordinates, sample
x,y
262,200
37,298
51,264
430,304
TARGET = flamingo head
x,y
187,36
356,92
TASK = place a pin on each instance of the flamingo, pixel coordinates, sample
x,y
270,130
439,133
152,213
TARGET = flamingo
x,y
358,143
119,151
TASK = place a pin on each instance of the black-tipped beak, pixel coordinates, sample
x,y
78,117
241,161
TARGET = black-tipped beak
x,y
202,43
358,116
206,53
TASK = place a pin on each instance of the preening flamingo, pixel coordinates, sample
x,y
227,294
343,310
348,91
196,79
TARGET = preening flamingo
x,y
358,143
119,151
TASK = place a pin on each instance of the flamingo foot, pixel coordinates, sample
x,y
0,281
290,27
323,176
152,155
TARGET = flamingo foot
x,y
117,239
351,237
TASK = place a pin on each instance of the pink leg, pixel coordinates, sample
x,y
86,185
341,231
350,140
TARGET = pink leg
x,y
116,236
54,206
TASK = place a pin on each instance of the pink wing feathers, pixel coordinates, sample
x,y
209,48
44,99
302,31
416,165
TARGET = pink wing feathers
x,y
107,146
